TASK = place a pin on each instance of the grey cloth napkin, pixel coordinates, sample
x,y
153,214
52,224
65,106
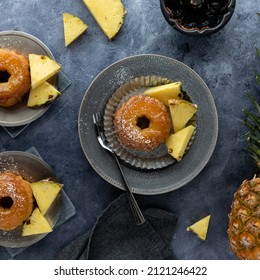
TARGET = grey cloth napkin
x,y
115,236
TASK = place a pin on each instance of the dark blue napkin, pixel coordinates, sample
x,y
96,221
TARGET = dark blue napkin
x,y
116,236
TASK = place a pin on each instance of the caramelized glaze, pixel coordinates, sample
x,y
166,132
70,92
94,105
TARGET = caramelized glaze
x,y
14,77
142,123
16,201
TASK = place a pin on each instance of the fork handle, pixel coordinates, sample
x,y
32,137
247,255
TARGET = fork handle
x,y
138,215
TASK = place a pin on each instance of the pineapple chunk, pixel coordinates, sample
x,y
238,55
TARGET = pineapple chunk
x,y
44,93
165,92
200,228
73,28
45,193
181,112
42,68
109,15
178,142
36,224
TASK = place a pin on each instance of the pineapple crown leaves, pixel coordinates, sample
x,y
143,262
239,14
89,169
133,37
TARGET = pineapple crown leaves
x,y
257,75
252,122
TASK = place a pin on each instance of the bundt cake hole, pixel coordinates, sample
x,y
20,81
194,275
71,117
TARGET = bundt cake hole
x,y
143,122
4,76
6,202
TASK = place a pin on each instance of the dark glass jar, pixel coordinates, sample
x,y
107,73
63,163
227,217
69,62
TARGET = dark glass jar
x,y
197,17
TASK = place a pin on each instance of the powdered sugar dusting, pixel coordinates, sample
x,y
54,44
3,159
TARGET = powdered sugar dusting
x,y
20,194
122,74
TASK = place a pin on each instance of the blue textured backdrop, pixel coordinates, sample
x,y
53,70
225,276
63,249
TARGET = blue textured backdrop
x,y
225,60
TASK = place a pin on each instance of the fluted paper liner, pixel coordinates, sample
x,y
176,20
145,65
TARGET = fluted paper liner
x,y
155,159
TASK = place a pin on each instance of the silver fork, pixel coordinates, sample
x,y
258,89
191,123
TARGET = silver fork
x,y
98,121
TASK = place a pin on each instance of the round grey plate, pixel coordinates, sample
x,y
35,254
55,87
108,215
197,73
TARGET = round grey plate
x,y
32,169
178,174
25,44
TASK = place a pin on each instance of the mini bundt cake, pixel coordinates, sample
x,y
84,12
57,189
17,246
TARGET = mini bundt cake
x,y
16,201
142,123
15,78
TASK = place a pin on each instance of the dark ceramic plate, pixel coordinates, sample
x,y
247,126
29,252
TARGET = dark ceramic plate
x,y
149,181
33,169
25,44
158,158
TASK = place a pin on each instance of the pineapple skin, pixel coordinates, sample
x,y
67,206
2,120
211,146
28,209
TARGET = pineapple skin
x,y
244,221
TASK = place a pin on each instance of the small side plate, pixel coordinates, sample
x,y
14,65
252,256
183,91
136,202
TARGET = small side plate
x,y
32,169
25,44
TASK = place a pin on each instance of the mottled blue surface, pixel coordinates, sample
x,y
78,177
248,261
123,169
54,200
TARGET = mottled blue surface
x,y
226,61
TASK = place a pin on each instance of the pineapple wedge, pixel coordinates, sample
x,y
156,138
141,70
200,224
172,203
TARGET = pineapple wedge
x,y
45,193
42,68
178,142
109,15
200,228
44,93
181,112
165,92
73,28
36,224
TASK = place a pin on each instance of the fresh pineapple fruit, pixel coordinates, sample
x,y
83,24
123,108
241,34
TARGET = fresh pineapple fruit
x,y
36,224
42,68
244,221
181,112
178,142
109,15
244,217
45,192
200,228
73,28
165,92
43,94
